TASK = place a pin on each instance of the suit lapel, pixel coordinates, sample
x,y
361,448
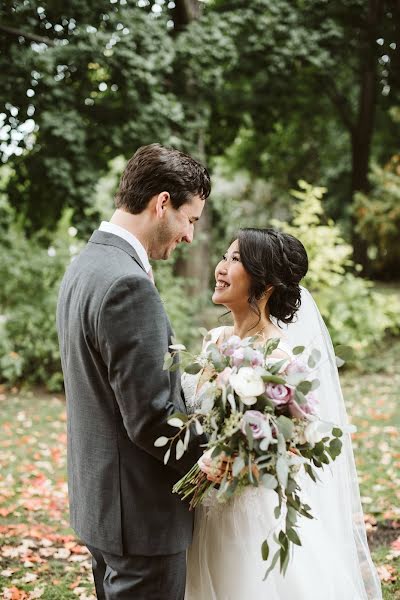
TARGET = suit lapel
x,y
110,239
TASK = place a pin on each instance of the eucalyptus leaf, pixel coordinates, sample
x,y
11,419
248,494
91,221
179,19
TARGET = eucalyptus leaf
x,y
180,449
345,353
285,426
238,465
272,565
298,350
337,432
249,434
315,384
271,345
186,439
175,422
300,397
316,354
167,455
276,367
161,441
193,368
273,379
293,537
177,347
304,387
265,550
168,361
282,471
339,362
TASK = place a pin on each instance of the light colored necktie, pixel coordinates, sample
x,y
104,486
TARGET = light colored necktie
x,y
150,275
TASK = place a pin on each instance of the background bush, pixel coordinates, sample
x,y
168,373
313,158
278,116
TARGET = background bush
x,y
355,312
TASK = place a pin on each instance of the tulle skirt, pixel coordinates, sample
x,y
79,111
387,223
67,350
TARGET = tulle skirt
x,y
224,561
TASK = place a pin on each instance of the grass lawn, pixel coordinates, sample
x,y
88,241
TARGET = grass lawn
x,y
40,556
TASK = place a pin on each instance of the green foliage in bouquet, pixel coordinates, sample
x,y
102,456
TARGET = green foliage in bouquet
x,y
378,218
354,311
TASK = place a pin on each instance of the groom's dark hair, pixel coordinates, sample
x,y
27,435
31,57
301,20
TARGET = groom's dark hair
x,y
154,169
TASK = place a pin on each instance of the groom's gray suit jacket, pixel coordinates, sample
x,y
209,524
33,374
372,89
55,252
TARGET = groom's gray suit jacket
x,y
113,334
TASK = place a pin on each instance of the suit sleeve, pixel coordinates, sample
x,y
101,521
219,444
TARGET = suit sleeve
x,y
133,338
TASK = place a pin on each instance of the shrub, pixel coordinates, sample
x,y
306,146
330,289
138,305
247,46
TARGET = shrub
x,y
30,276
356,313
378,218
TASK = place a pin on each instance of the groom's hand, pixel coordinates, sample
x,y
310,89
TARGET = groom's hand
x,y
215,468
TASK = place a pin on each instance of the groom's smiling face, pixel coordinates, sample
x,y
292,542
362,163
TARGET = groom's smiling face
x,y
176,226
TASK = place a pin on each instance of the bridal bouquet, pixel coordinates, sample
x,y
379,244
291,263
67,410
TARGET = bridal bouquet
x,y
261,417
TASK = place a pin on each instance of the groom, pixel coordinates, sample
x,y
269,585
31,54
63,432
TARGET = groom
x,y
113,334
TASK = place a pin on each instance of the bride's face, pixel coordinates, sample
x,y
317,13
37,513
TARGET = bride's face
x,y
232,280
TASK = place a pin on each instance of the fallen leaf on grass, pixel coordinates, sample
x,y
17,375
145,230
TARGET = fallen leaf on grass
x,y
387,573
13,593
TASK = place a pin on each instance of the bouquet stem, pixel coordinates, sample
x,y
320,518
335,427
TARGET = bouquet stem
x,y
194,484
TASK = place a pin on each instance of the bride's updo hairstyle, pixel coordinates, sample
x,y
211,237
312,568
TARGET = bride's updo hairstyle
x,y
277,259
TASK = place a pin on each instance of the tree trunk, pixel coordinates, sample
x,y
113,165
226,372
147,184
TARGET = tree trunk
x,y
361,135
195,265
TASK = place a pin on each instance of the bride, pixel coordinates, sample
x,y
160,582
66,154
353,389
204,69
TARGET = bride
x,y
258,281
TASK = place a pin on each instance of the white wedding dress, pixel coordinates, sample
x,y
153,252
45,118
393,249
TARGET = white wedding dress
x,y
224,561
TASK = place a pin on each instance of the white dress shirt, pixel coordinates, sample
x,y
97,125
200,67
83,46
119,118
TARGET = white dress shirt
x,y
130,238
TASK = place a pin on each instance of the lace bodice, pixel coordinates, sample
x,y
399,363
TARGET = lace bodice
x,y
190,382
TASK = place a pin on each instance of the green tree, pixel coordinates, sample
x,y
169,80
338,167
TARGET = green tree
x,y
298,89
93,79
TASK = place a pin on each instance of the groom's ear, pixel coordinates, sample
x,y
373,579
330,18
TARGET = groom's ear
x,y
163,200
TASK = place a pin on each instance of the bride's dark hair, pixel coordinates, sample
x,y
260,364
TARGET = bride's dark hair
x,y
273,258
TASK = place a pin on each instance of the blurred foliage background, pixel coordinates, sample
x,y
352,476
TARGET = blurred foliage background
x,y
293,105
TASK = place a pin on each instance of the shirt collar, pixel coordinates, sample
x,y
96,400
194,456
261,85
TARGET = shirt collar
x,y
130,238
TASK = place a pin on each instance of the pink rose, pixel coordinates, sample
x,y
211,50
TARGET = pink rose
x,y
231,344
257,359
297,365
238,357
302,411
258,424
280,394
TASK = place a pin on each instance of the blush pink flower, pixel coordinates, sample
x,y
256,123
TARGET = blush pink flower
x,y
303,411
257,359
231,344
297,365
238,357
280,394
258,423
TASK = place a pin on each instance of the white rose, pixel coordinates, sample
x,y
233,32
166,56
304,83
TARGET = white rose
x,y
247,384
315,431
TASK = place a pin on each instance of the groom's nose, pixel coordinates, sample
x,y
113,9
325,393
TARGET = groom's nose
x,y
188,237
